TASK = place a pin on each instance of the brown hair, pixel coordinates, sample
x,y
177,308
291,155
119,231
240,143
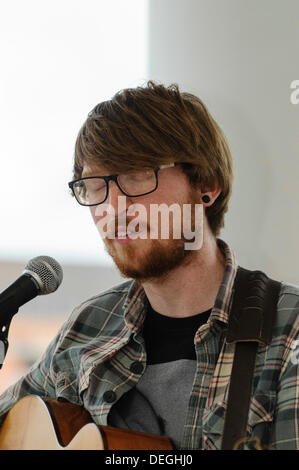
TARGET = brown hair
x,y
149,126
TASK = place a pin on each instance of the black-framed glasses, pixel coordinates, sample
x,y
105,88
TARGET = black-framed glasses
x,y
94,190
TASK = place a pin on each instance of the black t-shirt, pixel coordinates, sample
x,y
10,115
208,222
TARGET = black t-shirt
x,y
169,339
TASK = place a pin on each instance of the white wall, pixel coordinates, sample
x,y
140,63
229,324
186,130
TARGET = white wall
x,y
58,60
240,57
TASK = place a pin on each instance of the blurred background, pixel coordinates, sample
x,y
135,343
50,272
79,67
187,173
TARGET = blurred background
x,y
60,58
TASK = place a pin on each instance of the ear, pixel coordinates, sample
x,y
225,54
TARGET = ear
x,y
210,194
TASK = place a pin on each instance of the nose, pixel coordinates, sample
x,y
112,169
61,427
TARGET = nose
x,y
113,197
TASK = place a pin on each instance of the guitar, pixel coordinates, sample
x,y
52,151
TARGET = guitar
x,y
35,423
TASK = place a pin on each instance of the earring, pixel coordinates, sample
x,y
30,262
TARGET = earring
x,y
206,198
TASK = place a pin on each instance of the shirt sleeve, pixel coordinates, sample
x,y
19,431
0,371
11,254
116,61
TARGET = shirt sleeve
x,y
40,380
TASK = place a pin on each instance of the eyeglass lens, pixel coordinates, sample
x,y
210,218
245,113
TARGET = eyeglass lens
x,y
94,190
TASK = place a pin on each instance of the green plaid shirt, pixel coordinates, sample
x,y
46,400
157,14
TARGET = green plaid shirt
x,y
92,362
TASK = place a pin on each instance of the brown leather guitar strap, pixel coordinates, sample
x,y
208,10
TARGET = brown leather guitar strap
x,y
250,324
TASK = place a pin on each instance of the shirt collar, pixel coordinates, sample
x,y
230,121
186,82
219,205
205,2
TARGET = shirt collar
x,y
223,300
135,302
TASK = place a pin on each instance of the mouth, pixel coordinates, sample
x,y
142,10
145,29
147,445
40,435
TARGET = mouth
x,y
122,234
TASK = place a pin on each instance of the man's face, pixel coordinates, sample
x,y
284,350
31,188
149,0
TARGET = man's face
x,y
145,257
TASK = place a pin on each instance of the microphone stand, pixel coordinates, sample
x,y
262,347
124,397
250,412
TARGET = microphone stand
x,y
5,320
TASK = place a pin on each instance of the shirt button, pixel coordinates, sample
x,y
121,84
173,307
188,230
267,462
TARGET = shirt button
x,y
109,396
136,367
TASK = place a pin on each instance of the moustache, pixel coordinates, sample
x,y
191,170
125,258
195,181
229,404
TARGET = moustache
x,y
131,228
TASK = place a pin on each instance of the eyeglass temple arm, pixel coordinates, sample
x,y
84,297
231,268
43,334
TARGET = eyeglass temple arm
x,y
166,166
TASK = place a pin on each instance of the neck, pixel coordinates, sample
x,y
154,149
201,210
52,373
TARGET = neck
x,y
190,289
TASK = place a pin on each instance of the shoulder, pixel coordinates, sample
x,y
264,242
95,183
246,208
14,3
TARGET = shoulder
x,y
96,313
289,290
107,299
287,318
288,299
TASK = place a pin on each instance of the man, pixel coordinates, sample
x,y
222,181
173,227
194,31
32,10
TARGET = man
x,y
151,354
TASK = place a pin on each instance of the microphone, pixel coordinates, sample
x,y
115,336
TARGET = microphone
x,y
42,275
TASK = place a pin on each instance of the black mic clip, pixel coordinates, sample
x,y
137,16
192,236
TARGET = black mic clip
x,y
22,290
4,328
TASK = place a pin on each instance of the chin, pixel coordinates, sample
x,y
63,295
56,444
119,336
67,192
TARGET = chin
x,y
127,256
148,261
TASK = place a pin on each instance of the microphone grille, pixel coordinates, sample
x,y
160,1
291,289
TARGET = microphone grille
x,y
46,271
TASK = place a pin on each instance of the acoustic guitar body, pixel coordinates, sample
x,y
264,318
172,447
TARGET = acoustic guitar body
x,y
35,423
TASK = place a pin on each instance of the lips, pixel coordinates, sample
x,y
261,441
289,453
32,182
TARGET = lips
x,y
122,232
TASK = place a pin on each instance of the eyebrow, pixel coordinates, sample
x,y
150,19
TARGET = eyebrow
x,y
89,174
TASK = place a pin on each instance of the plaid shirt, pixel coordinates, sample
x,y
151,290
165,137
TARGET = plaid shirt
x,y
92,362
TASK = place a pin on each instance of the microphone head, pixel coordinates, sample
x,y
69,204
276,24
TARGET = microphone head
x,y
46,271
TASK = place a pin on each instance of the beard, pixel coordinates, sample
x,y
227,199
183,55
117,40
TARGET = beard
x,y
161,257
151,259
